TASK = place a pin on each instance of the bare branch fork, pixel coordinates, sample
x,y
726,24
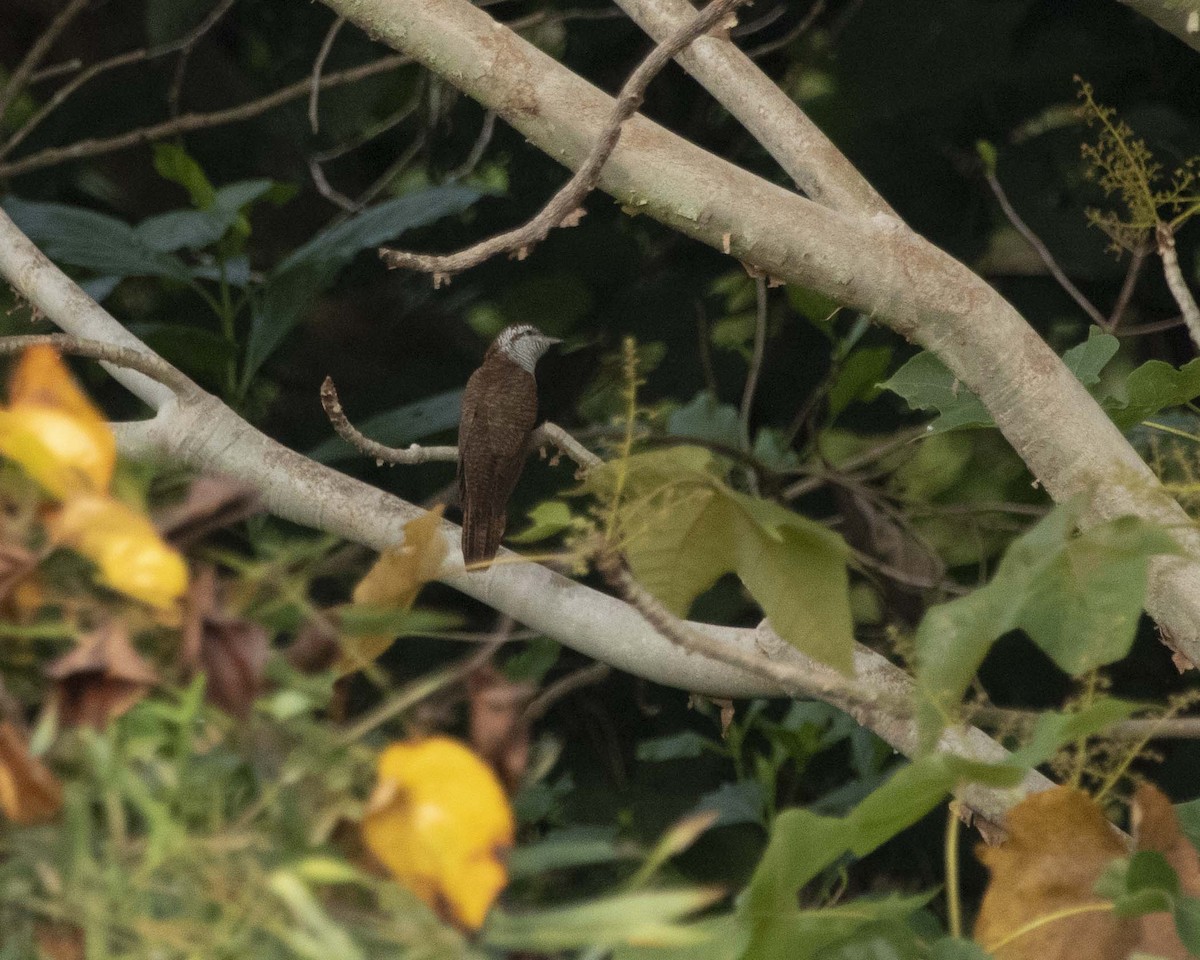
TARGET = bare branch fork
x,y
564,209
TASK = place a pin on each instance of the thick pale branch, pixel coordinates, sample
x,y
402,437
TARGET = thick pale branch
x,y
199,430
797,144
873,264
1181,19
562,208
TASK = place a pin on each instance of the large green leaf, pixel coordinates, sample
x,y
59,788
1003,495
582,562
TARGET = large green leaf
x,y
295,283
93,241
706,418
682,528
196,229
1077,596
1152,387
927,384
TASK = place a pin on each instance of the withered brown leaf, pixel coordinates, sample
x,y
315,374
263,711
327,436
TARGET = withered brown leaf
x,y
101,678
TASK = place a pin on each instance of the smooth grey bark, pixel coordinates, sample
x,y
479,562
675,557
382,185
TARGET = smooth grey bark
x,y
873,264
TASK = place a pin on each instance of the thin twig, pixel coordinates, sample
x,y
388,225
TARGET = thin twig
x,y
376,130
196,121
175,91
548,434
564,207
149,364
792,35
756,357
1142,329
1137,260
20,76
1043,252
314,93
477,149
705,348
184,43
1179,288
381,453
57,70
380,183
327,190
564,686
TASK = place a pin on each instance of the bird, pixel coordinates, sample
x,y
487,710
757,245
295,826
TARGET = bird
x,y
499,411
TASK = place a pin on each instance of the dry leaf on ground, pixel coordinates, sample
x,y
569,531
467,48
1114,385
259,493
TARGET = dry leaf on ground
x,y
102,678
230,651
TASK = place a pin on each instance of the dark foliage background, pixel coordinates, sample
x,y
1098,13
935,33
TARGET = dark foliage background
x,y
905,88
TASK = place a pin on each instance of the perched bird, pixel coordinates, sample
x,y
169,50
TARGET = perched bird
x,y
499,410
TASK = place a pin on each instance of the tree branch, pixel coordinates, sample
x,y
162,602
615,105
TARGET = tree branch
x,y
807,156
195,121
873,264
20,76
130,358
563,209
1178,285
197,430
1043,252
184,44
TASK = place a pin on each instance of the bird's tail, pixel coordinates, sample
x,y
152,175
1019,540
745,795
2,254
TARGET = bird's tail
x,y
481,535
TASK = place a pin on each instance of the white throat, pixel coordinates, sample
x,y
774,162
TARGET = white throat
x,y
523,346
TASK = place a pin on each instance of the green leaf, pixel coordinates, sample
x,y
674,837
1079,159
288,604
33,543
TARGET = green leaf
x,y
93,241
859,378
399,426
175,164
649,917
803,844
706,418
379,224
566,850
724,939
1053,729
1188,815
927,384
733,803
682,529
297,282
684,745
1077,596
865,929
366,620
1086,360
1152,387
772,450
1187,922
549,519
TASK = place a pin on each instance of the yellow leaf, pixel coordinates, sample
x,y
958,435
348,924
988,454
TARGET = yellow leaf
x,y
394,581
440,822
51,429
126,549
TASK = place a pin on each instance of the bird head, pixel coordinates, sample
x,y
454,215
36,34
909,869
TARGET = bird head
x,y
524,345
